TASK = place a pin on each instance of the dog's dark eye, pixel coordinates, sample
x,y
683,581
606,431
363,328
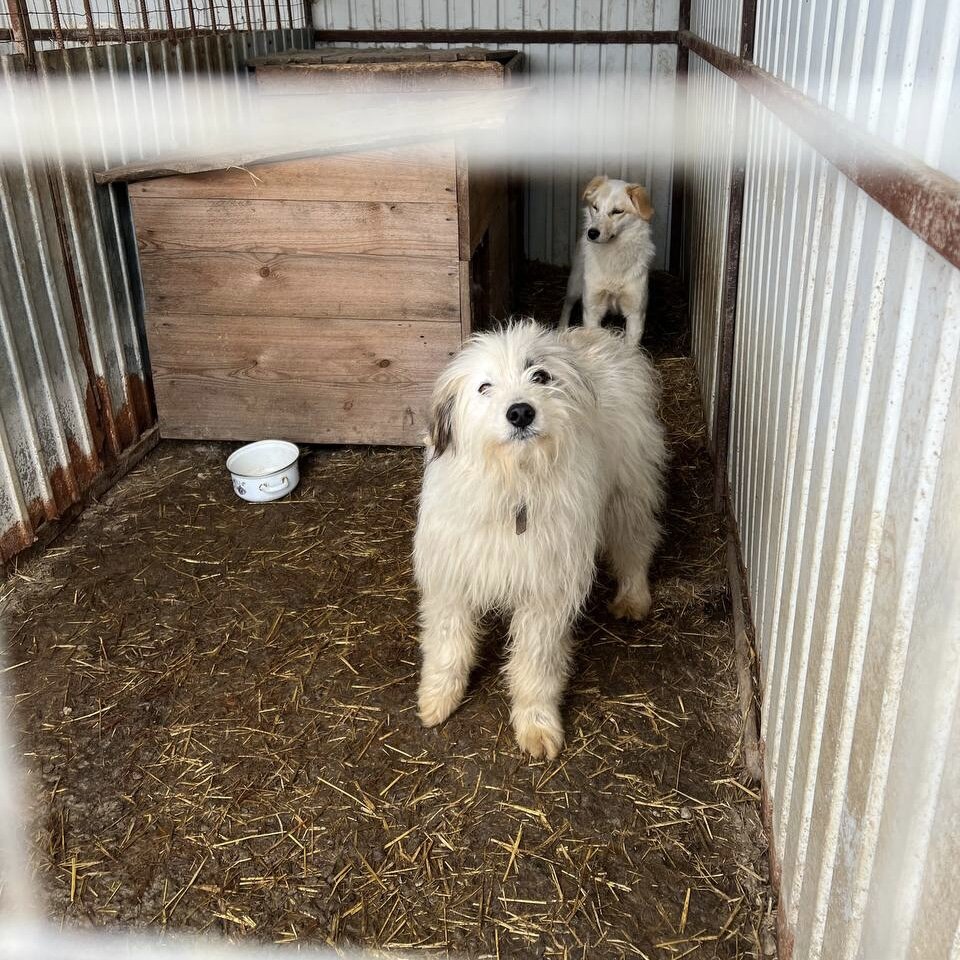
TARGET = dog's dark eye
x,y
484,387
540,376
616,213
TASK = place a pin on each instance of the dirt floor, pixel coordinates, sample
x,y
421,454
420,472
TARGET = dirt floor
x,y
217,701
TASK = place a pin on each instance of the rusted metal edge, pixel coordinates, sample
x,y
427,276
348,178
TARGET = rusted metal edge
x,y
731,276
924,200
750,697
22,32
112,35
728,323
46,533
497,36
678,186
746,661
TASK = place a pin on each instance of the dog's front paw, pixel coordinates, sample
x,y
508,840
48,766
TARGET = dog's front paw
x,y
633,603
539,734
435,705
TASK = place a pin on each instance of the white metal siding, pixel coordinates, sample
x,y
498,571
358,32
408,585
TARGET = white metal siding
x,y
890,65
640,78
48,392
718,21
845,478
712,101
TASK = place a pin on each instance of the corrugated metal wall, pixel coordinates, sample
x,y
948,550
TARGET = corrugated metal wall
x,y
845,483
710,95
74,377
640,78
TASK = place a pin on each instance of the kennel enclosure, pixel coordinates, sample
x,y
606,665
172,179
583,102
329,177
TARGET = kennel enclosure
x,y
318,298
825,332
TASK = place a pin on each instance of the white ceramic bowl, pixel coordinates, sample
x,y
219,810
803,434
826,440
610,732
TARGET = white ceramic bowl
x,y
265,470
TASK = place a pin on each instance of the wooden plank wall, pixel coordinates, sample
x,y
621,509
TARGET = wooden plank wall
x,y
311,299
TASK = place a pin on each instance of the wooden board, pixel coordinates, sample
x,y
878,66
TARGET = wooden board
x,y
480,192
379,55
310,381
296,226
329,285
467,323
415,174
416,77
501,268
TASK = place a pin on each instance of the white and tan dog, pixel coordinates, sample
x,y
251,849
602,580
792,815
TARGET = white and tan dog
x,y
545,448
611,266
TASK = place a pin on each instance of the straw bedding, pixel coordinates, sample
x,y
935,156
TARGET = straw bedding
x,y
217,702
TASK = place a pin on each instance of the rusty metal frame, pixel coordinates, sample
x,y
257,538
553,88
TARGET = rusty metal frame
x,y
112,35
924,200
21,31
85,474
468,36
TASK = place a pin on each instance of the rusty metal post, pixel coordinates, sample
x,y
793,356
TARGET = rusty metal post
x,y
171,27
23,32
91,29
118,13
57,25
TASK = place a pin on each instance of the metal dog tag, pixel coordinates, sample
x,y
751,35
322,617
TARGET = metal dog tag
x,y
521,519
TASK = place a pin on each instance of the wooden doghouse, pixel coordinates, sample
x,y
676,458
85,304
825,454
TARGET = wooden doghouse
x,y
316,298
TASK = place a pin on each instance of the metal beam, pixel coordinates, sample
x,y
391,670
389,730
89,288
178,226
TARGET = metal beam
x,y
471,36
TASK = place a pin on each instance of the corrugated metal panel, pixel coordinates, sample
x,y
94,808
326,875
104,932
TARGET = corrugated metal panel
x,y
639,79
74,378
845,479
718,21
712,101
857,57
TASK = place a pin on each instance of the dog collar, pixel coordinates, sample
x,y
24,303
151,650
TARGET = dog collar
x,y
521,518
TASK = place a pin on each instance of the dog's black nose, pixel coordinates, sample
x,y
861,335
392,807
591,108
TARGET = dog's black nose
x,y
593,233
521,414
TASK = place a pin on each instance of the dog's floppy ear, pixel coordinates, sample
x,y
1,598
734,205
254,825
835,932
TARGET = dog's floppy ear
x,y
590,190
441,426
640,200
441,421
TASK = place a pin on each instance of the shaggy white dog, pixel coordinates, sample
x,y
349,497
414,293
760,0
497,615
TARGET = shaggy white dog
x,y
545,448
611,266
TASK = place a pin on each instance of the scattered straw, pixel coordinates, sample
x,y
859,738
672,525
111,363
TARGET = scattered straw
x,y
216,700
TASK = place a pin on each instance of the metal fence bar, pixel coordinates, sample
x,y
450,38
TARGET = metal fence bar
x,y
118,13
57,27
481,36
22,31
91,37
923,199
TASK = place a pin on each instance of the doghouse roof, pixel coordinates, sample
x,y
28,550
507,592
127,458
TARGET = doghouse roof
x,y
337,63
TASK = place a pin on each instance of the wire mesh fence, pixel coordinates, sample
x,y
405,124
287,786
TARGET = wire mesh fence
x,y
28,26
